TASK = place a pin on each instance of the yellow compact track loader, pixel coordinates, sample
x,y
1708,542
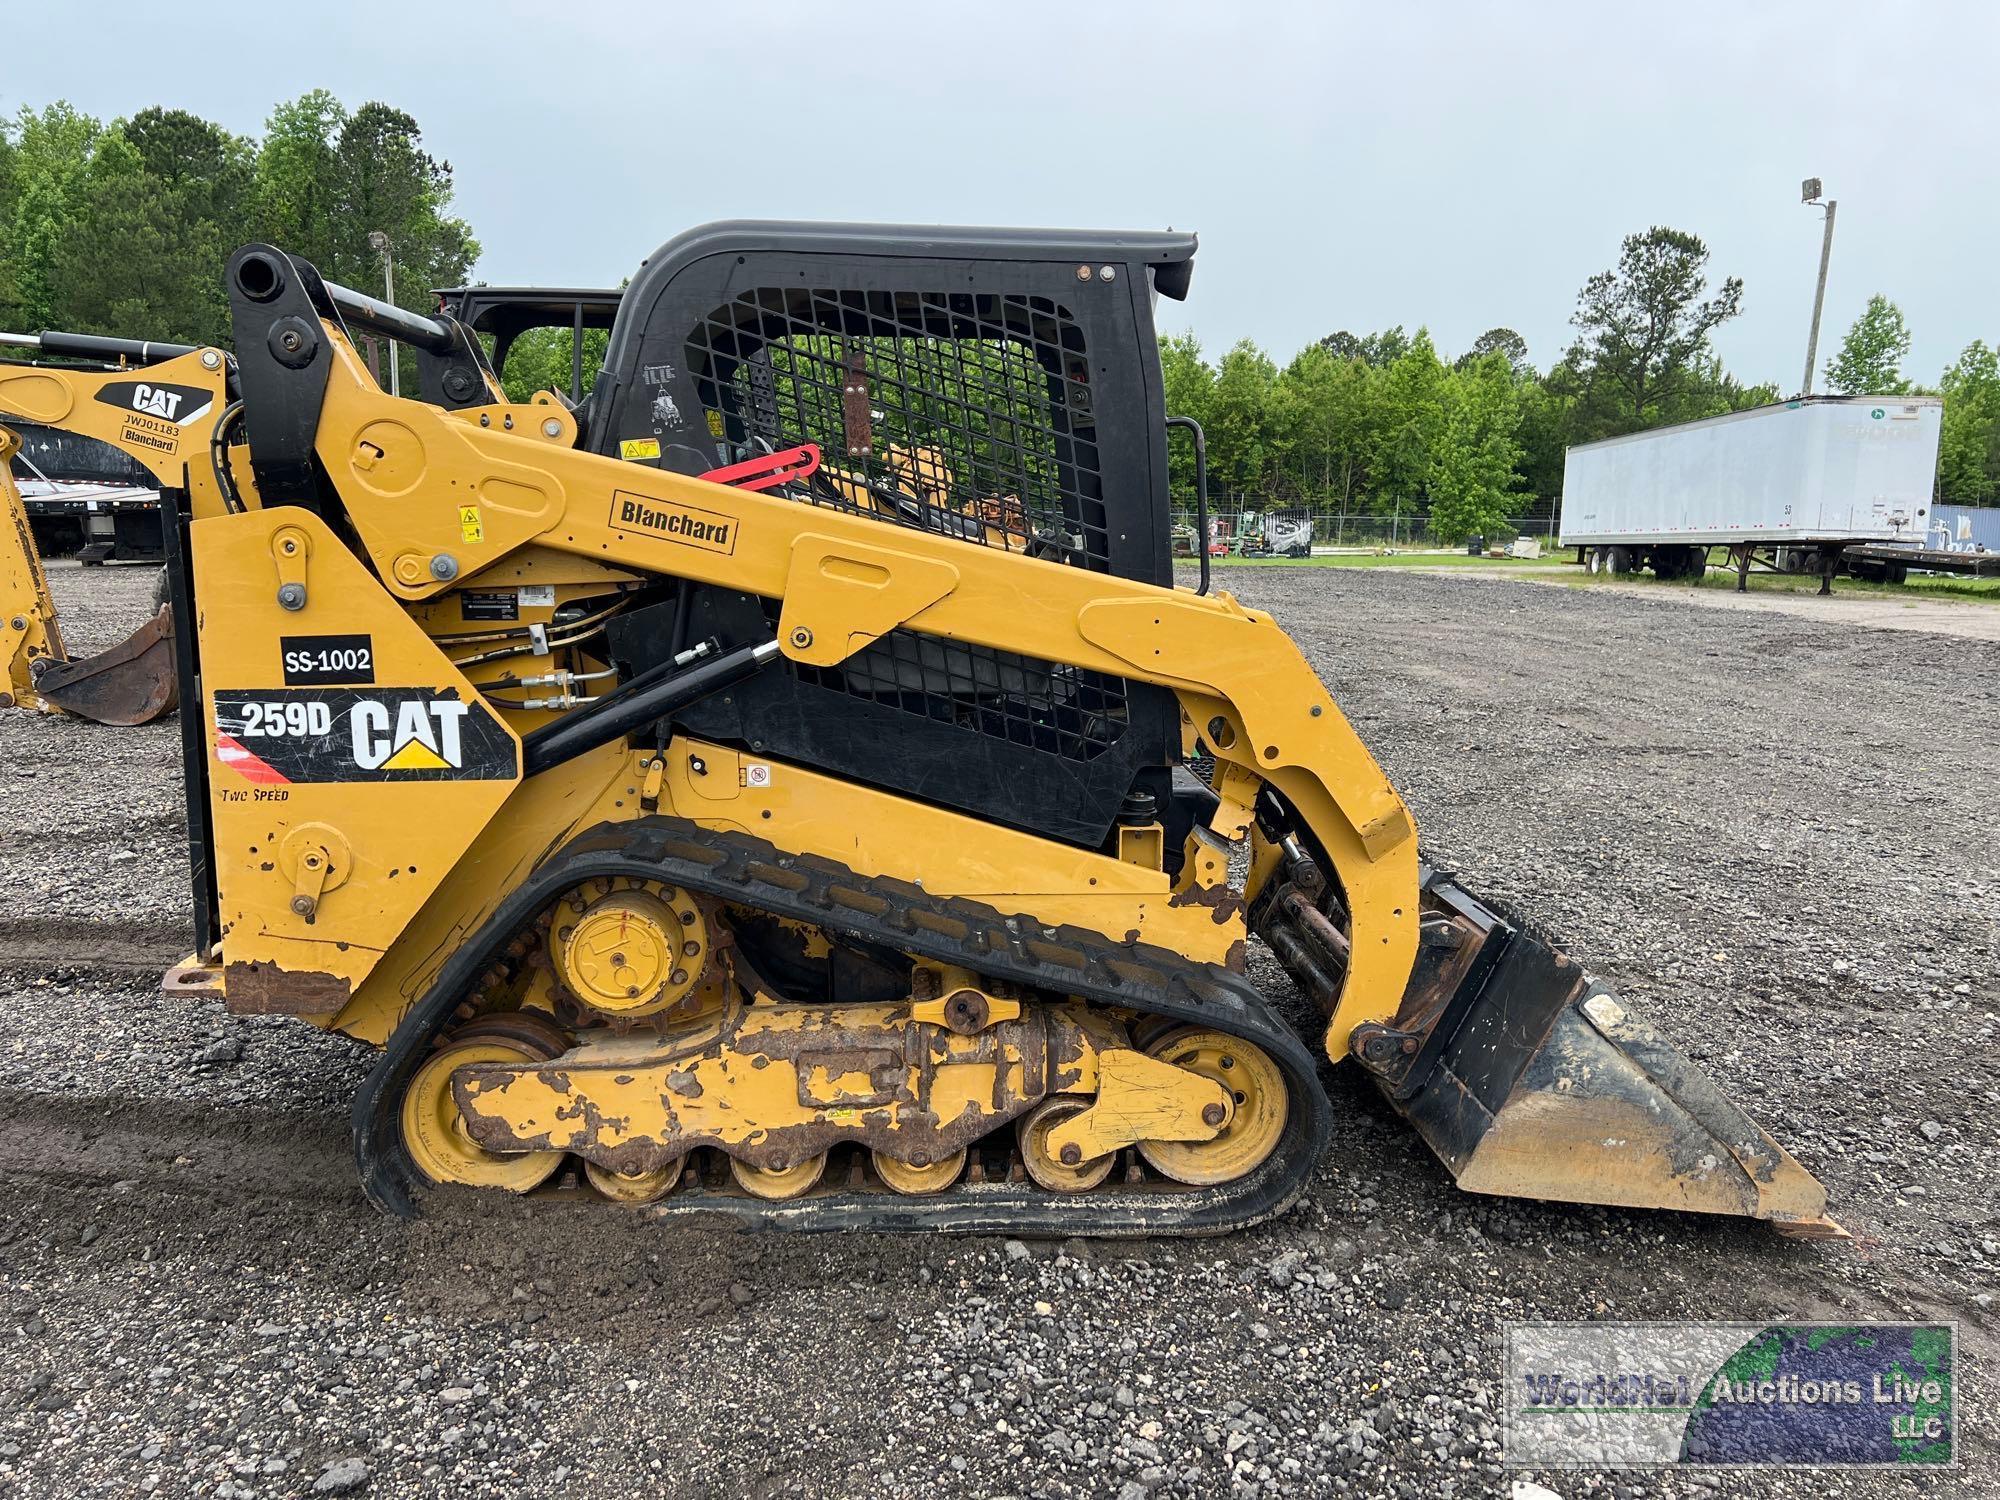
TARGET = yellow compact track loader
x,y
789,783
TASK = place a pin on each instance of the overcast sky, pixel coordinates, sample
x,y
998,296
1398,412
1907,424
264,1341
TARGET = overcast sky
x,y
1347,166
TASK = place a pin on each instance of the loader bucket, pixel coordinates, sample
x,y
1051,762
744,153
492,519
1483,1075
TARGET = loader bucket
x,y
1529,1079
132,683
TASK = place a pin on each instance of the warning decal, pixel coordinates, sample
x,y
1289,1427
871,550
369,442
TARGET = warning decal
x,y
281,735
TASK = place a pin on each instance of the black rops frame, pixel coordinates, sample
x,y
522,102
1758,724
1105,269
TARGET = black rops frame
x,y
174,516
504,313
779,714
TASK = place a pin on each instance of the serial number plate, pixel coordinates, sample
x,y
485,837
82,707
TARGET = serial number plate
x,y
323,660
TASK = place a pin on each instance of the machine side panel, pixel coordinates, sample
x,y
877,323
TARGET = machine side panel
x,y
346,780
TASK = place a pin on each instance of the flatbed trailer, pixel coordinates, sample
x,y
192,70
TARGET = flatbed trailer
x,y
1924,560
86,499
95,523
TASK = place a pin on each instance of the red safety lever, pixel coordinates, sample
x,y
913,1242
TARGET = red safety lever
x,y
768,470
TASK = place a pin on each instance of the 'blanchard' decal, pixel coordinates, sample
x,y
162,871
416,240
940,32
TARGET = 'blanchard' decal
x,y
686,524
280,735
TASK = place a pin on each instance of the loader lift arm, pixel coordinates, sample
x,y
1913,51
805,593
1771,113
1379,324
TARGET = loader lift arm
x,y
161,403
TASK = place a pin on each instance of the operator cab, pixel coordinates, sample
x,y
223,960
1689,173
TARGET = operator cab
x,y
1000,386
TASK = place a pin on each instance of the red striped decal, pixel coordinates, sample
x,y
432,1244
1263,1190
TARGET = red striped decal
x,y
249,766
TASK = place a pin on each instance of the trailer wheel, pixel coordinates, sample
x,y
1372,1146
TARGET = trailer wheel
x,y
1593,560
1677,563
1617,560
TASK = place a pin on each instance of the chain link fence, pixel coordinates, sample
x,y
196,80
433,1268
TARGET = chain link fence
x,y
1230,522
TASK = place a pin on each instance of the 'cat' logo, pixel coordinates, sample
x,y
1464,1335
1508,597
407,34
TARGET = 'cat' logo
x,y
172,404
157,400
277,736
418,737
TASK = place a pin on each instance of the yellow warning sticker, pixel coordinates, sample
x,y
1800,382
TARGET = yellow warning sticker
x,y
470,527
715,424
633,449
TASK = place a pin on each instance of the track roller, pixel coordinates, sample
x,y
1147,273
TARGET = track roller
x,y
633,1187
1043,1165
917,1180
778,1183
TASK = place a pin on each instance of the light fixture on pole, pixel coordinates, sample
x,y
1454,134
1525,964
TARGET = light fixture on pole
x,y
379,242
1809,194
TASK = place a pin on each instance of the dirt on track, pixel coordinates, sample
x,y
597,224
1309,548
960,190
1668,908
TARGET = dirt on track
x,y
1771,834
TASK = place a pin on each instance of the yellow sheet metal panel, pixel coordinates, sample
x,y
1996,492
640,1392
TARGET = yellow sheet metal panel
x,y
28,630
335,729
539,816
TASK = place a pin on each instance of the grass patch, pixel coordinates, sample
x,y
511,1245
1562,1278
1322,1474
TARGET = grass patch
x,y
1558,567
1947,587
1457,559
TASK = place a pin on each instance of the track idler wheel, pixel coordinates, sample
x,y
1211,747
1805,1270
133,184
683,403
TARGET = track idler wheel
x,y
919,1179
1253,1130
779,1183
434,1130
1048,1169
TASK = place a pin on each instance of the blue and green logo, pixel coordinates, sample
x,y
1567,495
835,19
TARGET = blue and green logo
x,y
1876,1394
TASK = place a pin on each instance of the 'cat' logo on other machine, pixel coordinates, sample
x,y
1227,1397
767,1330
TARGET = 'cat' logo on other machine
x,y
155,412
158,401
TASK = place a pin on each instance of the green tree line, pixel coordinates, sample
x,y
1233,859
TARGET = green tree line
x,y
1366,424
125,228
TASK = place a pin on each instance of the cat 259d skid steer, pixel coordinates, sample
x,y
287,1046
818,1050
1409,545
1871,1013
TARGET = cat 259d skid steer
x,y
768,786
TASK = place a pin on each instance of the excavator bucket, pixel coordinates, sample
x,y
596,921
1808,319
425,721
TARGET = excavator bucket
x,y
131,683
1529,1079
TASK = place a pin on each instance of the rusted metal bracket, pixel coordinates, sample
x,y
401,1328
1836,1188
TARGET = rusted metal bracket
x,y
1140,1098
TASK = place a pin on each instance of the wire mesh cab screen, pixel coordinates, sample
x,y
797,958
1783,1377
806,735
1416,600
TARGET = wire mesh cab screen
x,y
1001,386
985,385
963,413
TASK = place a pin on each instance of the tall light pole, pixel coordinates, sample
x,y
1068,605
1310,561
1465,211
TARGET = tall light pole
x,y
1809,193
378,241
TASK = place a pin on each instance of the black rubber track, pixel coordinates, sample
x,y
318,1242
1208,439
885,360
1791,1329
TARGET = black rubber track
x,y
1058,960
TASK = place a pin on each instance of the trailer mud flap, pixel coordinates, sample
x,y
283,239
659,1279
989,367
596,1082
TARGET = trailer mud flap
x,y
1528,1079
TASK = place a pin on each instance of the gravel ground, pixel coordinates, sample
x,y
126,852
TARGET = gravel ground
x,y
1760,828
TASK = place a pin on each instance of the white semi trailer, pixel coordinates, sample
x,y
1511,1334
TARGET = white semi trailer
x,y
1789,486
